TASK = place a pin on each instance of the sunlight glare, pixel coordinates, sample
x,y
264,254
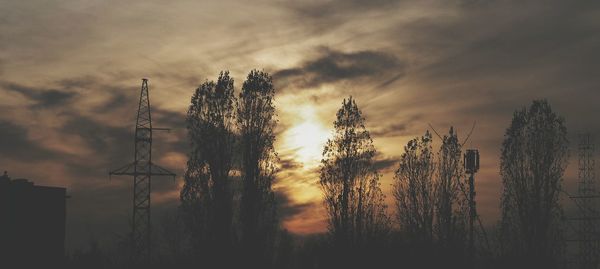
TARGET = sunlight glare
x,y
307,138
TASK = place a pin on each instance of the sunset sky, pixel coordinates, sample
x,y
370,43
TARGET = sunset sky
x,y
70,73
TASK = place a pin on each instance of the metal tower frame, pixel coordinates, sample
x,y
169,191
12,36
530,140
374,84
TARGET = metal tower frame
x,y
142,169
586,200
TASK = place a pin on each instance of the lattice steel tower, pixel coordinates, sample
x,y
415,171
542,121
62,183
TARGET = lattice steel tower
x,y
142,169
587,202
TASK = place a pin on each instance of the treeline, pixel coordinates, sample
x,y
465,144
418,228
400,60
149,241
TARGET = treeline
x,y
228,213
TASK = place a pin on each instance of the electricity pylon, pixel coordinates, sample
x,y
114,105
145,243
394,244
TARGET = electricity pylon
x,y
586,200
142,169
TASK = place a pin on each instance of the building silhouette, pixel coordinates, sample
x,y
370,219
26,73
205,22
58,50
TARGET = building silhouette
x,y
32,224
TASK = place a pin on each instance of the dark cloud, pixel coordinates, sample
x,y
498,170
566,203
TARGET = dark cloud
x,y
107,141
324,9
121,97
332,66
116,101
289,164
394,129
43,98
110,146
15,144
176,139
326,15
533,42
169,119
384,164
286,208
389,81
97,136
78,82
399,128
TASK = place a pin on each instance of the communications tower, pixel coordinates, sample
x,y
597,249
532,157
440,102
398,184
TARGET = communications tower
x,y
471,167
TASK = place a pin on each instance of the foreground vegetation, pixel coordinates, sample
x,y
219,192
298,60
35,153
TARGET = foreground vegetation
x,y
228,213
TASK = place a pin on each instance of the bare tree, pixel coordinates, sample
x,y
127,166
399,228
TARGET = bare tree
x,y
256,121
350,182
207,196
533,161
414,190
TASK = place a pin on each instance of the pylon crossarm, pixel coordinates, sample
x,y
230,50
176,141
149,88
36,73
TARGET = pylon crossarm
x,y
124,170
156,170
161,129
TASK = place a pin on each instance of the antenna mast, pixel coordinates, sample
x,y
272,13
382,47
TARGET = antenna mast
x,y
471,167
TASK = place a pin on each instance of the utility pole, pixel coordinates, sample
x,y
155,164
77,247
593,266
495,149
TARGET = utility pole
x,y
142,169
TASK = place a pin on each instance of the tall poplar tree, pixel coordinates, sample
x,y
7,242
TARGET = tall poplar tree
x,y
256,122
207,195
350,182
533,161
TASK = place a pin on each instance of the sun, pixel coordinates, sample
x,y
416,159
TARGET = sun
x,y
306,139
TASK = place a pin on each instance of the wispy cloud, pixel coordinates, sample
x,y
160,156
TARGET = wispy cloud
x,y
70,71
332,66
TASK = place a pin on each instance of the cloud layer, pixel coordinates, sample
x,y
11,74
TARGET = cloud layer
x,y
70,70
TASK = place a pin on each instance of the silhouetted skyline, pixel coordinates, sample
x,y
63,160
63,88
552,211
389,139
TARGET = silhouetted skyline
x,y
69,75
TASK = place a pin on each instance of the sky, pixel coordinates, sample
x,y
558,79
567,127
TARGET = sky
x,y
70,75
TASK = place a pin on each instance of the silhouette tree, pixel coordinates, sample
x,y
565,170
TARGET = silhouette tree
x,y
256,121
206,195
431,209
533,160
350,182
451,206
414,191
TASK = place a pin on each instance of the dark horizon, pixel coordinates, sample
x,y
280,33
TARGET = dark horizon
x,y
70,74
